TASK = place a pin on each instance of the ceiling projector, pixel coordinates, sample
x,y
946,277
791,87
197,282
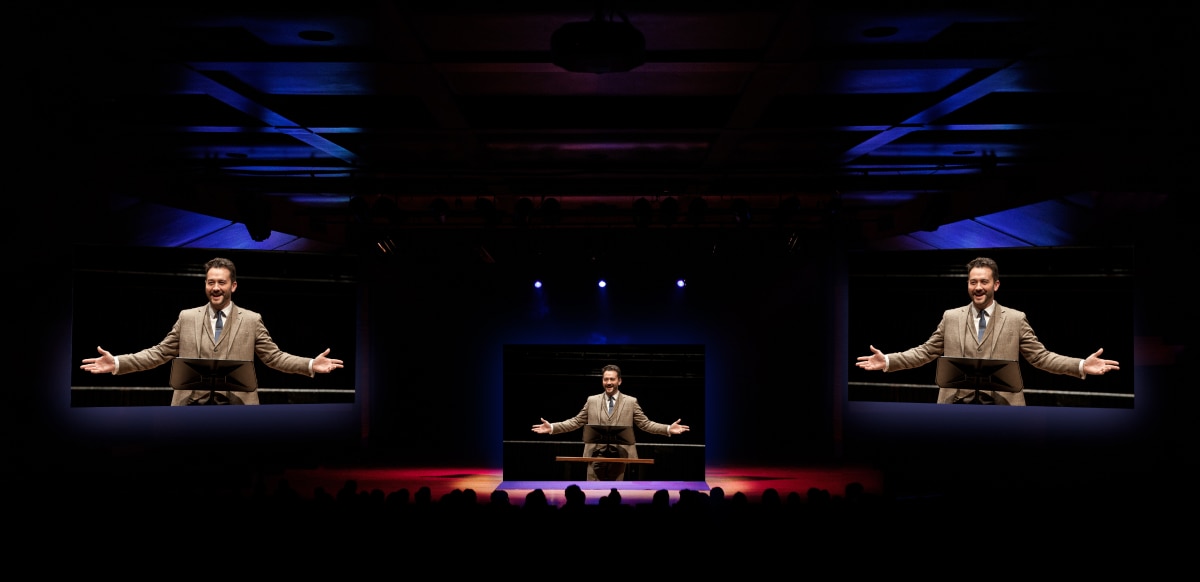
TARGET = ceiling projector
x,y
598,46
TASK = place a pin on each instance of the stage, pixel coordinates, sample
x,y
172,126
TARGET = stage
x,y
750,481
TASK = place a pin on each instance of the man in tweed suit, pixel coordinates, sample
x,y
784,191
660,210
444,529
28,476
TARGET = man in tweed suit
x,y
1006,335
217,330
614,408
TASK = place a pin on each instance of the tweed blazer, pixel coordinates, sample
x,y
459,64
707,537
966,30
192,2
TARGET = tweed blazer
x,y
626,412
243,338
1008,337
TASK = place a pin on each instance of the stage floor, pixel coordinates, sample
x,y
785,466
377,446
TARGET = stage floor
x,y
751,481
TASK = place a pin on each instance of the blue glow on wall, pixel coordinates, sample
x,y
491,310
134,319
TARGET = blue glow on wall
x,y
968,234
1047,224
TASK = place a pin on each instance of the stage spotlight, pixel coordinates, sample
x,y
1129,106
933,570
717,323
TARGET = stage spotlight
x,y
681,283
386,246
603,283
537,284
599,45
256,214
258,232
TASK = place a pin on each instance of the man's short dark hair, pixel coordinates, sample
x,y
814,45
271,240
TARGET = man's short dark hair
x,y
220,263
985,263
611,367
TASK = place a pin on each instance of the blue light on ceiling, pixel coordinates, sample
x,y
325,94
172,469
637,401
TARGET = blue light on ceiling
x,y
1048,224
967,234
895,81
337,200
283,78
235,236
156,225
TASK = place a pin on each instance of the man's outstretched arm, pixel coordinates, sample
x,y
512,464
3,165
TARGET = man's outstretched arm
x,y
875,361
323,364
105,364
1097,366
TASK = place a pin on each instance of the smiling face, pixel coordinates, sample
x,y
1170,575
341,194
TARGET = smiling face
x,y
611,381
981,286
219,287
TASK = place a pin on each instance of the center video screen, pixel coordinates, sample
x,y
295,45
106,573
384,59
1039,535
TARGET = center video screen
x,y
554,382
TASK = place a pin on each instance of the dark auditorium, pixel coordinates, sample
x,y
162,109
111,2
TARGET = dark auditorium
x,y
747,273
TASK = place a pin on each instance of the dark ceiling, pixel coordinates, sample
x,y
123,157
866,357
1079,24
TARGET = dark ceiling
x,y
363,126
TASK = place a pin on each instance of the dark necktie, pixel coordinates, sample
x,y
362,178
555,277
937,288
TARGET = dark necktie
x,y
610,405
217,335
982,324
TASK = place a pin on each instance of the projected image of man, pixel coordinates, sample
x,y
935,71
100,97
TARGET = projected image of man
x,y
610,408
985,329
217,330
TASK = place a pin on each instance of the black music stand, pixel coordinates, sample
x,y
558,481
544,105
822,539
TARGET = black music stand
x,y
602,434
213,375
979,374
607,438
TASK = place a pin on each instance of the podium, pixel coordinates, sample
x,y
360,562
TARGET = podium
x,y
979,375
607,438
213,375
567,472
608,434
604,460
